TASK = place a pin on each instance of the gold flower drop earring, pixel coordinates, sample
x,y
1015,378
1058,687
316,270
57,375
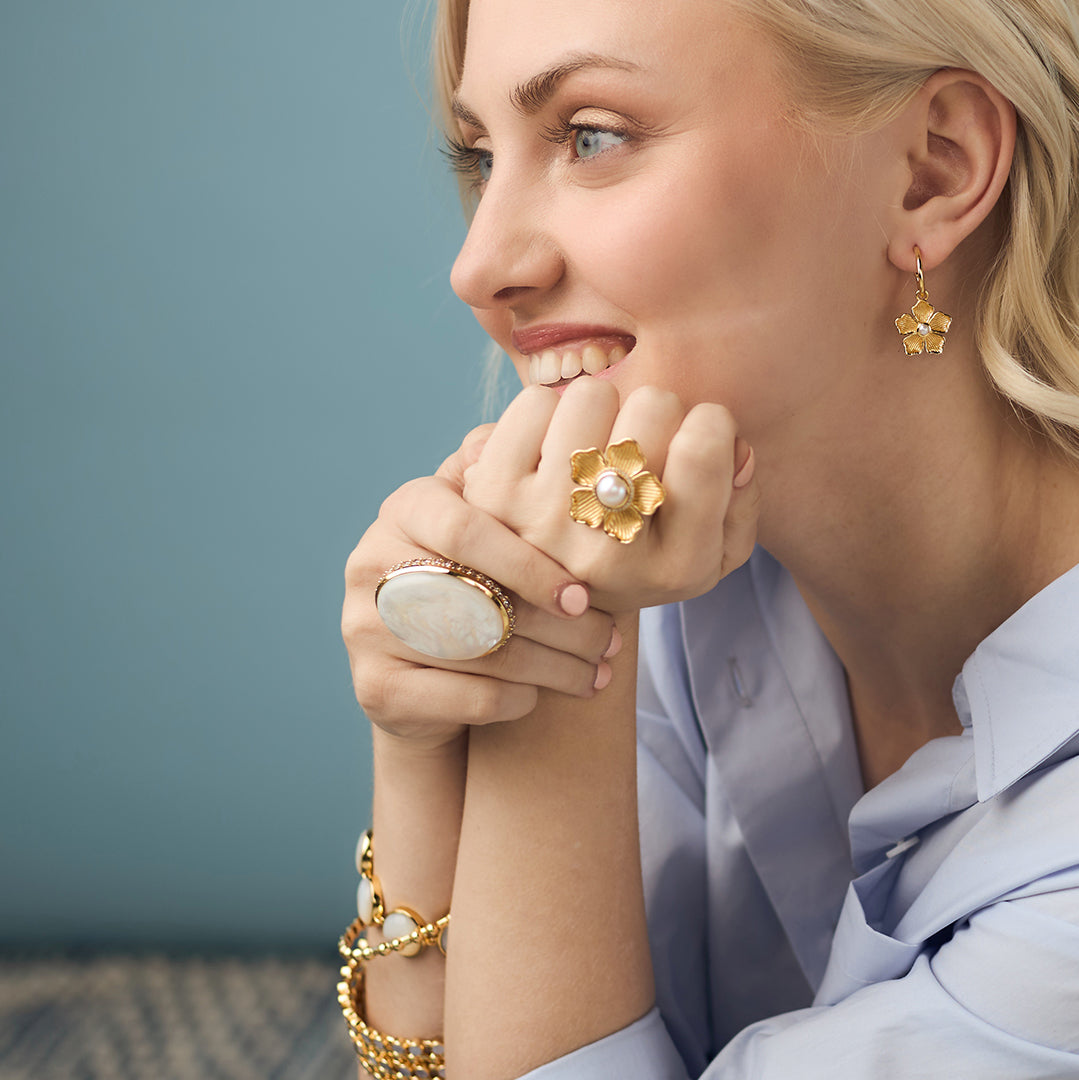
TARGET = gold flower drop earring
x,y
924,328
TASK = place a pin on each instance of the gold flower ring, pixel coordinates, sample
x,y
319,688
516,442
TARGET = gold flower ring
x,y
615,490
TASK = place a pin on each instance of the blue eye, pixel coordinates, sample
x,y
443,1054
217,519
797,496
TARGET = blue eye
x,y
470,163
589,142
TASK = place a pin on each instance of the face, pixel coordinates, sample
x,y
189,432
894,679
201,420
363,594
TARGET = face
x,y
649,212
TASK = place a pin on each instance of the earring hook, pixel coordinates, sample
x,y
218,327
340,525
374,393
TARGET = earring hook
x,y
922,294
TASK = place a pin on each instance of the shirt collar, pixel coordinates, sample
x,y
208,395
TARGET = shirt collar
x,y
1019,691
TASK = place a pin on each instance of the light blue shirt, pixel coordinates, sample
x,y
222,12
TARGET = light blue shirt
x,y
802,929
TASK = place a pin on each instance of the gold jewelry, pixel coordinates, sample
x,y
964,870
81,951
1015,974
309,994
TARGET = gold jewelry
x,y
443,609
406,931
369,893
924,328
382,1055
616,490
411,943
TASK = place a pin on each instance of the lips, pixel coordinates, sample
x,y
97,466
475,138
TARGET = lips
x,y
557,352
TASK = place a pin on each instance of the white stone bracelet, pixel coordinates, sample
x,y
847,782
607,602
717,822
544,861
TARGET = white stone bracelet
x,y
408,932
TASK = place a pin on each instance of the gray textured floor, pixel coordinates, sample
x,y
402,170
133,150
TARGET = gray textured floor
x,y
155,1018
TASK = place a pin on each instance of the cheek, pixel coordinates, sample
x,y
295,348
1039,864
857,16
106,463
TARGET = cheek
x,y
498,325
720,266
700,230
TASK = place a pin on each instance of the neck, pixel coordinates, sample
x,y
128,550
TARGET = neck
x,y
912,553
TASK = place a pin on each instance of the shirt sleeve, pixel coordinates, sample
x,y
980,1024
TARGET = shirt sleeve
x,y
671,796
999,1001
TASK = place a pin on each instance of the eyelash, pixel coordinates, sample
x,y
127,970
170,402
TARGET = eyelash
x,y
465,160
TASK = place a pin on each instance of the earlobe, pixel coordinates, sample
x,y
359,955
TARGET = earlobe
x,y
960,134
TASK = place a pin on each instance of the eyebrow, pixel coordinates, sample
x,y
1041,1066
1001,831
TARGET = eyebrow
x,y
531,96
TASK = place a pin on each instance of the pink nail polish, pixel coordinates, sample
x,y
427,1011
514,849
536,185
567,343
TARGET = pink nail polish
x,y
745,473
573,599
603,676
615,646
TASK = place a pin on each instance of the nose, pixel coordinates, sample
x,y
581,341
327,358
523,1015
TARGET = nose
x,y
509,254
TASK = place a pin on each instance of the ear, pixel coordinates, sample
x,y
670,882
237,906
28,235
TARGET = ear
x,y
959,135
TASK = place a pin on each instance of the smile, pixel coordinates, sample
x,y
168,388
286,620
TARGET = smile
x,y
553,365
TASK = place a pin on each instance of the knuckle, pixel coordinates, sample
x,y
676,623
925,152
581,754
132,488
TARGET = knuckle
x,y
359,563
412,493
486,701
456,527
364,635
354,567
375,693
656,400
392,504
482,491
351,622
700,449
481,433
596,390
712,416
538,395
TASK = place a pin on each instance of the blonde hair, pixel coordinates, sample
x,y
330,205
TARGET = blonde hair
x,y
856,63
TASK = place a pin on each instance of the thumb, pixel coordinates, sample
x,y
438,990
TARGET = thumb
x,y
468,453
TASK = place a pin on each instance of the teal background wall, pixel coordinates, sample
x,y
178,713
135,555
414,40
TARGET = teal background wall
x,y
226,333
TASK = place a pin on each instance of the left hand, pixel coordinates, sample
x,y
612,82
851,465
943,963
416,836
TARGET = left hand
x,y
705,528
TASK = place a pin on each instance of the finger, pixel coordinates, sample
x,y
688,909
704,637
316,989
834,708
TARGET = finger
x,y
650,417
514,445
698,477
583,420
468,453
408,696
589,638
523,661
433,517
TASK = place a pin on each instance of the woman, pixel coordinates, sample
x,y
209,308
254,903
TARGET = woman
x,y
736,232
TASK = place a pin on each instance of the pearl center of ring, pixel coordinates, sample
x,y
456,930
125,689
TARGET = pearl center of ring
x,y
923,328
612,490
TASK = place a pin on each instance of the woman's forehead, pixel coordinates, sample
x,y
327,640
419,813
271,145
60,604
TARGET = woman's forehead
x,y
517,42
645,27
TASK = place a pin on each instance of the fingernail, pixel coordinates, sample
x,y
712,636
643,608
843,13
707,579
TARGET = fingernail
x,y
573,599
603,676
615,646
745,473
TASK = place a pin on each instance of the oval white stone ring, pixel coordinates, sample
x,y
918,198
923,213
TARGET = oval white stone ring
x,y
443,609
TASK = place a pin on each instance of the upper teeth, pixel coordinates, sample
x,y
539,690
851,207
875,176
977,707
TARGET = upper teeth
x,y
550,366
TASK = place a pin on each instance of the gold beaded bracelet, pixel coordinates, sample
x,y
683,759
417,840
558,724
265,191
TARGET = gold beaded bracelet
x,y
408,931
381,1055
436,933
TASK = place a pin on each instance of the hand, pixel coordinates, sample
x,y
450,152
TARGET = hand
x,y
558,644
704,529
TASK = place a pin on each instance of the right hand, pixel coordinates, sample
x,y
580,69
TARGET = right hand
x,y
429,701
